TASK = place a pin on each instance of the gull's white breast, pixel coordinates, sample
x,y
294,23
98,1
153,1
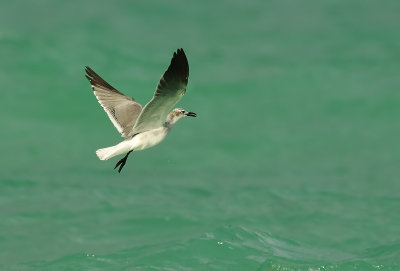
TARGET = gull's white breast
x,y
148,139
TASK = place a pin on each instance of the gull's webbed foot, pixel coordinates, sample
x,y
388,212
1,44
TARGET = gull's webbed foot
x,y
121,163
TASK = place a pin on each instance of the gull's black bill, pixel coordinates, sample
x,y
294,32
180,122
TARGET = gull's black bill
x,y
191,114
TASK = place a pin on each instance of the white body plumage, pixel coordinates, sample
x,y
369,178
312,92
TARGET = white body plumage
x,y
137,143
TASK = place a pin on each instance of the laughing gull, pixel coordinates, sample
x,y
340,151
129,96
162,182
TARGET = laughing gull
x,y
142,127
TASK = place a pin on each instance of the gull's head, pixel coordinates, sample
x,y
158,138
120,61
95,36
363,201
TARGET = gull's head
x,y
177,114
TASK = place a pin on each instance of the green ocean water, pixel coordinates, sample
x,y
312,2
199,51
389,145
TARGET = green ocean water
x,y
291,164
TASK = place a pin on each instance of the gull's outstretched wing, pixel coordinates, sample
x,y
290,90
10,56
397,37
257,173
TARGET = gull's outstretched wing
x,y
170,89
122,110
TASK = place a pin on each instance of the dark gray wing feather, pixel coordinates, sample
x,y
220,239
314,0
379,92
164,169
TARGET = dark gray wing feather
x,y
122,110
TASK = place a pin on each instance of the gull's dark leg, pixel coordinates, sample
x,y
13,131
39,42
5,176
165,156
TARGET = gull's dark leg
x,y
122,162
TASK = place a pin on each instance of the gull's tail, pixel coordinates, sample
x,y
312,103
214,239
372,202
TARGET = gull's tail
x,y
107,153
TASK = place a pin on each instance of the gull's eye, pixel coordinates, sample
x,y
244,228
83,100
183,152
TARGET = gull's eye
x,y
183,111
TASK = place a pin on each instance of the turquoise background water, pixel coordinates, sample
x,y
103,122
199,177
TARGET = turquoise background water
x,y
291,164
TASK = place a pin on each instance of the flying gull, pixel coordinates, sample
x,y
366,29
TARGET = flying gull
x,y
142,127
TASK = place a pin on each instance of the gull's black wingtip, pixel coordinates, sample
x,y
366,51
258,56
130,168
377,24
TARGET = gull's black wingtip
x,y
89,72
89,75
179,66
95,80
179,52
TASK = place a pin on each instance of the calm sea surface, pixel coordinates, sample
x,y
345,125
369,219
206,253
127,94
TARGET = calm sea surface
x,y
291,164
